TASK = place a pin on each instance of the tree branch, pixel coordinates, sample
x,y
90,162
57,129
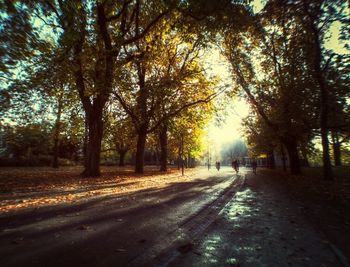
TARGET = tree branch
x,y
117,16
185,106
145,31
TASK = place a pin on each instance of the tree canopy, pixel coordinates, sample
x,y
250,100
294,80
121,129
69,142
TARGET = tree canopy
x,y
123,75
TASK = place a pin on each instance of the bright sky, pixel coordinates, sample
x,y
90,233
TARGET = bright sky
x,y
229,128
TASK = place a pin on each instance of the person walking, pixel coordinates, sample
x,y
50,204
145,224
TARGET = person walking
x,y
235,165
217,165
254,166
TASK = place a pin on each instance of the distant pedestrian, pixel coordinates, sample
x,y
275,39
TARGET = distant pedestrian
x,y
235,165
254,166
217,165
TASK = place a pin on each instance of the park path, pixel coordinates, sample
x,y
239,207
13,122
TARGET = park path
x,y
209,219
113,229
261,226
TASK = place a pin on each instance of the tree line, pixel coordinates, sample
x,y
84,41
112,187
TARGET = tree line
x,y
297,87
119,74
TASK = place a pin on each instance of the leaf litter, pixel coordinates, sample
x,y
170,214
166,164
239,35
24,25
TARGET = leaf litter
x,y
35,187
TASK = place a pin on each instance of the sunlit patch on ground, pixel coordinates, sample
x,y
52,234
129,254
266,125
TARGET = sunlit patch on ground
x,y
210,246
35,187
241,207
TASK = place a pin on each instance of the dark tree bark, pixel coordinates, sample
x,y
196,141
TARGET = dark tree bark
x,y
57,133
122,154
271,160
93,151
163,140
292,150
305,157
284,159
85,142
122,148
140,149
179,158
336,148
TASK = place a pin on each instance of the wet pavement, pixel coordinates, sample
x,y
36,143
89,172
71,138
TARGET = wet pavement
x,y
260,226
212,219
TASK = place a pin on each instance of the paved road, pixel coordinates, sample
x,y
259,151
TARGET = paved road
x,y
128,230
261,226
213,219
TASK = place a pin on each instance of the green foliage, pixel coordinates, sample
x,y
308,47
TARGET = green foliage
x,y
273,60
23,142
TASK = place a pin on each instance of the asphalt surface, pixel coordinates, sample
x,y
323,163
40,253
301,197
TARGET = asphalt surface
x,y
213,219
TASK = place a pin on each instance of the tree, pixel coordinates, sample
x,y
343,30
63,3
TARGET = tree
x,y
167,79
24,143
186,134
277,82
119,134
93,38
338,81
317,17
45,91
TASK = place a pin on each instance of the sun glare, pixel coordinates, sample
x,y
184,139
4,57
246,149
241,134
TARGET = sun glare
x,y
226,126
229,129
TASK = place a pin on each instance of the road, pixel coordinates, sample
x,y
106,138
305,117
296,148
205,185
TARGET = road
x,y
128,230
213,219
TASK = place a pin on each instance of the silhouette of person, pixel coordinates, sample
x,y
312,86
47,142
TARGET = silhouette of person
x,y
254,166
235,165
217,165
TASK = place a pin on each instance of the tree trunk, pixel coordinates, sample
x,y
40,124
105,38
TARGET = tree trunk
x,y
337,154
179,158
122,154
292,150
327,166
93,106
86,140
336,149
95,123
140,149
284,159
306,160
57,133
55,153
163,140
318,75
271,160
